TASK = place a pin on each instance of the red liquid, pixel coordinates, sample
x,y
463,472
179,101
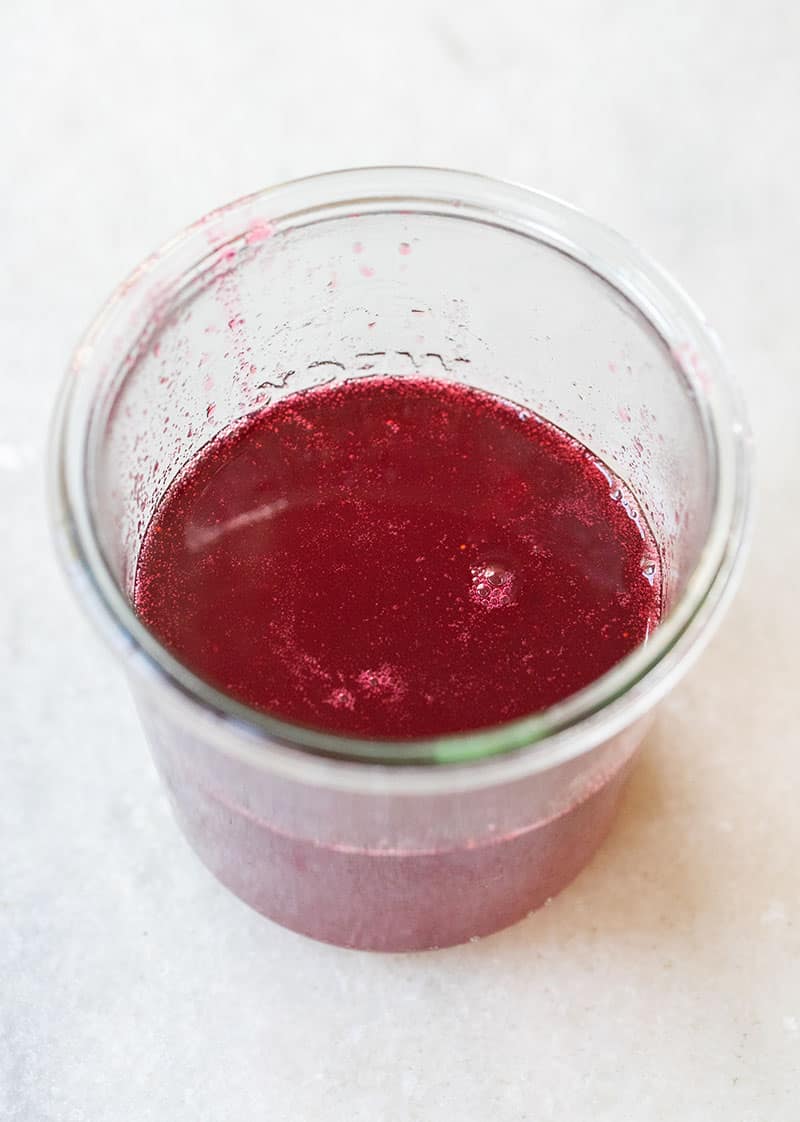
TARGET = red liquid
x,y
398,559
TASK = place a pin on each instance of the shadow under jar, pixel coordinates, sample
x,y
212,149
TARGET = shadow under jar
x,y
416,273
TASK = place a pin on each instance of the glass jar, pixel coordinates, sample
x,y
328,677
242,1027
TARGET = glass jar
x,y
403,272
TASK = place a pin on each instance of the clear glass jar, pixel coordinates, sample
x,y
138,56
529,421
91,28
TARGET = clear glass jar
x,y
407,272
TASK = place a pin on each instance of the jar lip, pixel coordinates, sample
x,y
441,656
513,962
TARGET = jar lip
x,y
573,725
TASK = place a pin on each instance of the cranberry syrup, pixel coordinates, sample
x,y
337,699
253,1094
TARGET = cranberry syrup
x,y
395,558
392,559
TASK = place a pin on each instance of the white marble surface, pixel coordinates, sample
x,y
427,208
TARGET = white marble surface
x,y
665,983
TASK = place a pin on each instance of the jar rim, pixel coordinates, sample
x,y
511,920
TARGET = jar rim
x,y
575,724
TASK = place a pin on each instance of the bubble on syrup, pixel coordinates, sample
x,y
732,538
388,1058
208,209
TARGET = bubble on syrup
x,y
493,585
341,699
384,683
648,569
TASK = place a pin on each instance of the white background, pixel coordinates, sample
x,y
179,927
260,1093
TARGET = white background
x,y
665,983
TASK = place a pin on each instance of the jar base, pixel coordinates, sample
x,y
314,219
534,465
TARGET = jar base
x,y
383,900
